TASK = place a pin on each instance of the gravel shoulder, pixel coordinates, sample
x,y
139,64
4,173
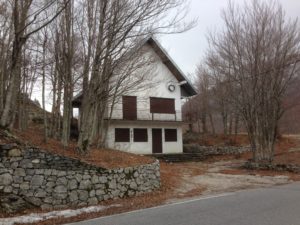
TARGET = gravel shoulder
x,y
214,181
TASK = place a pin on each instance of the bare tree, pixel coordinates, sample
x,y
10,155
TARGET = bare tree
x,y
67,44
5,43
56,82
190,112
257,55
27,19
223,105
121,26
205,98
44,86
68,54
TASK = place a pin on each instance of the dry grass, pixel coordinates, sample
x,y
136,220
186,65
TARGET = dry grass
x,y
105,158
283,156
218,139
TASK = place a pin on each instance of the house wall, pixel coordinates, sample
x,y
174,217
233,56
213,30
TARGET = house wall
x,y
156,85
145,147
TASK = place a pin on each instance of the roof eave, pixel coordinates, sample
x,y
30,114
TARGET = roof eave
x,y
172,66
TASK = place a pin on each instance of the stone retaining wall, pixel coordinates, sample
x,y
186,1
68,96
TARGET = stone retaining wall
x,y
52,181
214,150
275,167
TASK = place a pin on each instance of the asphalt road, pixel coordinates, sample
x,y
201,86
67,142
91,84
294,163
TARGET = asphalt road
x,y
279,205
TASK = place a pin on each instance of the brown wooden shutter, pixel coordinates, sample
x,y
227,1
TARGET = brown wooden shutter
x,y
129,108
162,105
122,135
170,135
140,135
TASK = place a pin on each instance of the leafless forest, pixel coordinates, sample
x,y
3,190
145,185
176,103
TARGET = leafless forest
x,y
64,46
249,78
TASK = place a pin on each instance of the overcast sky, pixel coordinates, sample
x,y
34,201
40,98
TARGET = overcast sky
x,y
188,48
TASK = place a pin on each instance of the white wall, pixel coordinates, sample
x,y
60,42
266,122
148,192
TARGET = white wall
x,y
158,87
158,80
145,147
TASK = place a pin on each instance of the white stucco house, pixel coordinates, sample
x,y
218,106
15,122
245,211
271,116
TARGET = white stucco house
x,y
149,121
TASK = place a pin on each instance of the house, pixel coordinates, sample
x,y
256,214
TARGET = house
x,y
149,121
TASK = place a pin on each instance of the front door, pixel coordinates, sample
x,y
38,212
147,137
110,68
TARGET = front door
x,y
156,141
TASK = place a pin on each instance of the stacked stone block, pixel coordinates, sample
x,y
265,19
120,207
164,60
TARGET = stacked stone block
x,y
51,181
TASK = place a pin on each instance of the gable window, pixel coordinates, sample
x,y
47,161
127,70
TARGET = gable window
x,y
170,135
129,108
140,135
162,105
122,135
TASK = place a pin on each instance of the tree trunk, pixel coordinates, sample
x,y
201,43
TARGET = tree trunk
x,y
212,124
59,80
89,105
199,126
19,15
54,90
43,90
230,124
14,85
1,92
203,121
57,110
236,124
68,83
224,120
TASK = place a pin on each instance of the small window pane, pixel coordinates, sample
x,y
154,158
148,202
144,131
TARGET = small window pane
x,y
140,135
122,135
170,135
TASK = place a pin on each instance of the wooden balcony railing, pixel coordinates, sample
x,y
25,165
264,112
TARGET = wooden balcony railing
x,y
144,114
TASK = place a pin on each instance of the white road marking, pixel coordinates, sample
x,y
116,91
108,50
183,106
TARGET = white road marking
x,y
197,199
162,206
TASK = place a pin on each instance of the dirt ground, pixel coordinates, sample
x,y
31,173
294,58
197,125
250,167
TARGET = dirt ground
x,y
217,179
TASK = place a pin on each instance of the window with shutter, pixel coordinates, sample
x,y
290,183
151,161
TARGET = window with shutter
x,y
140,135
170,135
122,135
162,105
129,107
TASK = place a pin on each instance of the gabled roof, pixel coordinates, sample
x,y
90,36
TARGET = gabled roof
x,y
186,87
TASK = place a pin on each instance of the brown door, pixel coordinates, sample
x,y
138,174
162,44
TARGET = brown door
x,y
129,108
156,141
